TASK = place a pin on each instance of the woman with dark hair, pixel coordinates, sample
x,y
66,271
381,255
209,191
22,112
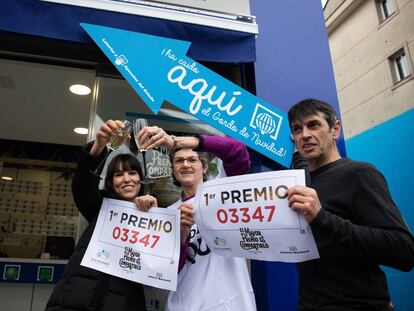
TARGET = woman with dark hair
x,y
82,288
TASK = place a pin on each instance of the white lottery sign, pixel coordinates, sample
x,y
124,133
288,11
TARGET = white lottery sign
x,y
134,245
248,216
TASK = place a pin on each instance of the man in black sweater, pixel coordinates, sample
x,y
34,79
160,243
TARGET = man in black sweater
x,y
355,222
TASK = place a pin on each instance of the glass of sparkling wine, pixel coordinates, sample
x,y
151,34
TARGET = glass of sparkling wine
x,y
116,141
138,125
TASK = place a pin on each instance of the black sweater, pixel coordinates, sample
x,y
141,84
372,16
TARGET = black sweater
x,y
82,288
358,228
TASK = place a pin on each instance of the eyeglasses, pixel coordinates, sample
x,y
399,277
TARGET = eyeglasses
x,y
190,160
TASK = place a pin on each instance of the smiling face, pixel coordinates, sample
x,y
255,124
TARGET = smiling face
x,y
188,168
315,140
125,183
123,176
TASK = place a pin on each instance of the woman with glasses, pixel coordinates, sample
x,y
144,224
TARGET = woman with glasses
x,y
206,281
82,288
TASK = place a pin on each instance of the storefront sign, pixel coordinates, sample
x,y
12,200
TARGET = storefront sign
x,y
158,163
158,69
248,216
141,247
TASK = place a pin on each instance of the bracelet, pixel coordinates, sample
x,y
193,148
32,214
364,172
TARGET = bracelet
x,y
174,138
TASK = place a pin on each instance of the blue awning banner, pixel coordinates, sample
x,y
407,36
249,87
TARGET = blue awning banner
x,y
60,21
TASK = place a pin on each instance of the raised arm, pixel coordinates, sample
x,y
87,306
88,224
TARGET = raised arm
x,y
85,184
233,153
235,157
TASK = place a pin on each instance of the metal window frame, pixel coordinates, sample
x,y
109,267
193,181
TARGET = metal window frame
x,y
240,23
401,66
387,8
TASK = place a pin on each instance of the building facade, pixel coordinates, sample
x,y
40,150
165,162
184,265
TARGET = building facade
x,y
372,44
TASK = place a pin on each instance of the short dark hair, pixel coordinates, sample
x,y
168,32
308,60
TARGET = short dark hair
x,y
201,155
311,106
128,162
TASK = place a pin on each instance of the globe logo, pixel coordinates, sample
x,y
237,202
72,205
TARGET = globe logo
x,y
103,254
265,123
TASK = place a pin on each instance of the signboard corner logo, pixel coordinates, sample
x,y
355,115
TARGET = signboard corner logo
x,y
103,254
266,121
219,241
121,60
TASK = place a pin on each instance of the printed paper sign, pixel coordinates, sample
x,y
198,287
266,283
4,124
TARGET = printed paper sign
x,y
248,216
158,69
141,247
158,163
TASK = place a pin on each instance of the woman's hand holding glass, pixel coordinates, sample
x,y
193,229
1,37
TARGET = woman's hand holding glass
x,y
153,137
149,137
113,133
140,124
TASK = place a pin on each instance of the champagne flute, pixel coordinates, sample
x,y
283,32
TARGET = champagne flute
x,y
139,124
115,142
